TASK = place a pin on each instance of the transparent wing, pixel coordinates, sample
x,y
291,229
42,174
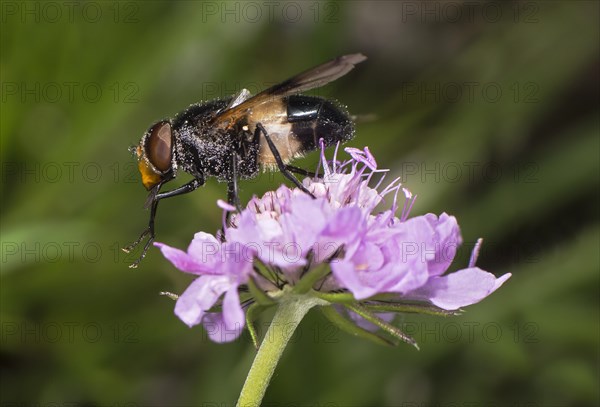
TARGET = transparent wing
x,y
310,79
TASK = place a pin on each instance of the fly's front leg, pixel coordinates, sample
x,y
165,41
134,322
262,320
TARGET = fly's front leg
x,y
149,231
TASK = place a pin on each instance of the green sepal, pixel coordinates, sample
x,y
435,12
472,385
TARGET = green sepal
x,y
311,277
263,270
409,309
258,294
390,329
350,327
251,313
336,298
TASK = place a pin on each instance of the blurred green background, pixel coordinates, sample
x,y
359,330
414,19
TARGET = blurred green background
x,y
489,111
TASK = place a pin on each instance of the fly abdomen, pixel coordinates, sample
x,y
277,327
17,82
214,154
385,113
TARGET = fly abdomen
x,y
313,118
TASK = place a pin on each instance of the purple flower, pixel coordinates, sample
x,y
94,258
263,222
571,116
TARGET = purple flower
x,y
221,268
366,254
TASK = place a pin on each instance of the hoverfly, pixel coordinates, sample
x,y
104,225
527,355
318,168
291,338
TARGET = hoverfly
x,y
230,138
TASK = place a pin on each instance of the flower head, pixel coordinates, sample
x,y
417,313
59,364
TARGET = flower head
x,y
333,245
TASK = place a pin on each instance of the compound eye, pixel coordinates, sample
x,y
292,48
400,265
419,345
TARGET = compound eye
x,y
159,145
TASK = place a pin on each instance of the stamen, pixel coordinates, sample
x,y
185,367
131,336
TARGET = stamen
x,y
370,157
337,145
380,181
226,206
393,186
326,169
408,204
321,143
475,253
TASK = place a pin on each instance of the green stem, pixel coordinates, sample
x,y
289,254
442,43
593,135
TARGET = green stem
x,y
290,312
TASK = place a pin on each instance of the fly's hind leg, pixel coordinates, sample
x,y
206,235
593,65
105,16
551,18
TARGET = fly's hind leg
x,y
300,171
285,170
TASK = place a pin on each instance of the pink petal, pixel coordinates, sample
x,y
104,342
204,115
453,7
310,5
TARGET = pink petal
x,y
199,297
347,275
445,243
233,315
183,261
459,289
214,325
